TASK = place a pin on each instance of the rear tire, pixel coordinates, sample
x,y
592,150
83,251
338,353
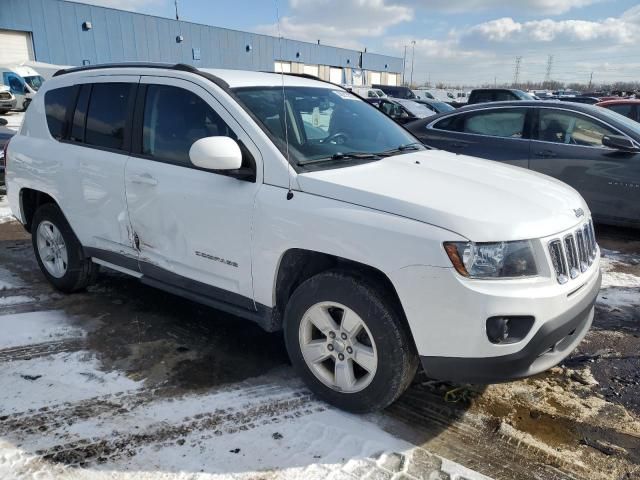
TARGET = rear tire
x,y
379,358
58,251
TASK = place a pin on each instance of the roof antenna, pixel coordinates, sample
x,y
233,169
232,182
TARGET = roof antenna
x,y
284,103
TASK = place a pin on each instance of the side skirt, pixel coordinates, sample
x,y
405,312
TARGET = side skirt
x,y
205,294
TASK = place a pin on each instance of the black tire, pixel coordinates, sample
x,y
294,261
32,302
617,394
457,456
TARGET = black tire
x,y
81,271
397,358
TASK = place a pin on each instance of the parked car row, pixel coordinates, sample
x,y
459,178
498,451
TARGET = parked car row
x,y
593,149
18,85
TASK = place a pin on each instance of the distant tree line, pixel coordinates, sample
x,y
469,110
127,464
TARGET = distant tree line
x,y
548,85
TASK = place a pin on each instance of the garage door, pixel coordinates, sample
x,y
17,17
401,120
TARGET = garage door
x,y
15,47
335,75
392,79
311,70
374,78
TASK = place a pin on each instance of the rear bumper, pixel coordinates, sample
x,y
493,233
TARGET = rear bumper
x,y
551,344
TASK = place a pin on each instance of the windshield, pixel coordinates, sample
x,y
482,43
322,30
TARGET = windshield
x,y
417,109
34,82
324,124
622,119
442,107
522,95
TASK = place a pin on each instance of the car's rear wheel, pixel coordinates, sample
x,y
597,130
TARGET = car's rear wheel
x,y
58,251
346,339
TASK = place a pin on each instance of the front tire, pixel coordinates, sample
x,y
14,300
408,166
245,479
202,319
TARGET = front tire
x,y
346,339
58,251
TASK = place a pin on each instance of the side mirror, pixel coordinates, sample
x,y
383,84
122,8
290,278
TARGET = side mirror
x,y
3,122
216,153
619,142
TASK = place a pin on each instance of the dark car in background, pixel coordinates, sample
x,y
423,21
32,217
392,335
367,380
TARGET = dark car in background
x,y
396,92
483,95
401,111
581,99
5,136
628,107
593,149
436,105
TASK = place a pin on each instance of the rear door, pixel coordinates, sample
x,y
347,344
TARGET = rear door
x,y
500,133
96,150
568,145
192,226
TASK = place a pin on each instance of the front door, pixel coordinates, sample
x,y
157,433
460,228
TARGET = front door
x,y
568,145
192,226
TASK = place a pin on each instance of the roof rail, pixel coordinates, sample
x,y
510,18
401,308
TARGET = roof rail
x,y
183,67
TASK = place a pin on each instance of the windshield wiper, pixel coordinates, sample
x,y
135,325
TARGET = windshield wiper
x,y
402,148
342,156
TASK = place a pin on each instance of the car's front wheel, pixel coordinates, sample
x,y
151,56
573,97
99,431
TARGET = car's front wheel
x,y
58,251
346,339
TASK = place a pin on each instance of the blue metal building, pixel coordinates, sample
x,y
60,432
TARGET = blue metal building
x,y
68,33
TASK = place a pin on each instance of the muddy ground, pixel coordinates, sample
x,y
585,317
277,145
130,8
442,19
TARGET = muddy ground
x,y
581,420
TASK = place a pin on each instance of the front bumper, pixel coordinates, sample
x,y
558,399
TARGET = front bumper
x,y
551,344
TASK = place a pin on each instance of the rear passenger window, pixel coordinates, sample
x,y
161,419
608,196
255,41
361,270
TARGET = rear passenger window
x,y
174,119
56,105
107,114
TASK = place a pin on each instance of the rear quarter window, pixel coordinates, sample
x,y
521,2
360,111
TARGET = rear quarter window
x,y
57,103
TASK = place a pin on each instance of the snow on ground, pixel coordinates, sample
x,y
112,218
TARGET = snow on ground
x,y
619,288
5,211
15,300
14,119
35,327
8,280
61,410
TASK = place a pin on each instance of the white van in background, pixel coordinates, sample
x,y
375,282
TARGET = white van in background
x,y
23,82
368,92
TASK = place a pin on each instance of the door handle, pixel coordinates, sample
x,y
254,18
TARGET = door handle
x,y
545,154
144,179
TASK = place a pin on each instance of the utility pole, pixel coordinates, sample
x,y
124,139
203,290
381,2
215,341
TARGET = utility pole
x,y
404,64
413,56
516,71
547,77
590,81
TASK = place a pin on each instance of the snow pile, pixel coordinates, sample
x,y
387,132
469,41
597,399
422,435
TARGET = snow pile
x,y
35,327
5,210
15,300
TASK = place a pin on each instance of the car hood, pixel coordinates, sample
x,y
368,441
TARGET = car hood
x,y
481,200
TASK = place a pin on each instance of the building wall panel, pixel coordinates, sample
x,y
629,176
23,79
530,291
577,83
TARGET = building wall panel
x,y
116,36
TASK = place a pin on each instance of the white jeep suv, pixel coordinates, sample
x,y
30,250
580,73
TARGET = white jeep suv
x,y
291,202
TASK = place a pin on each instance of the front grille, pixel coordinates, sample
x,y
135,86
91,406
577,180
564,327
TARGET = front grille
x,y
5,96
574,254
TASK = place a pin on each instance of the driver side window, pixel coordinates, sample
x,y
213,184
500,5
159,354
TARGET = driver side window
x,y
570,128
174,119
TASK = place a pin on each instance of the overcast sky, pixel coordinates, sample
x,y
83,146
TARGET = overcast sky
x,y
457,41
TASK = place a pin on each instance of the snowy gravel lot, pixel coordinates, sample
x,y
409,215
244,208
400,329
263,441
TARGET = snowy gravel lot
x,y
126,382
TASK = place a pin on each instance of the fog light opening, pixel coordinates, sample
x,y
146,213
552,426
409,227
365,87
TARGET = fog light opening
x,y
508,329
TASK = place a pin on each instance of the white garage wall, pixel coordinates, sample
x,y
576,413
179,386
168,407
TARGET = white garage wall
x,y
311,70
335,75
284,67
15,47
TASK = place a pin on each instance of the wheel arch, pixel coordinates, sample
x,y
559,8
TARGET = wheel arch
x,y
298,265
30,200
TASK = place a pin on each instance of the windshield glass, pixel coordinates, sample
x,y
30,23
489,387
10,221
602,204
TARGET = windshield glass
x,y
34,82
442,107
626,121
522,95
417,109
324,124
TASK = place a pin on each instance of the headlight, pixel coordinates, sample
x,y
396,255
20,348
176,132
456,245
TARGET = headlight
x,y
492,260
